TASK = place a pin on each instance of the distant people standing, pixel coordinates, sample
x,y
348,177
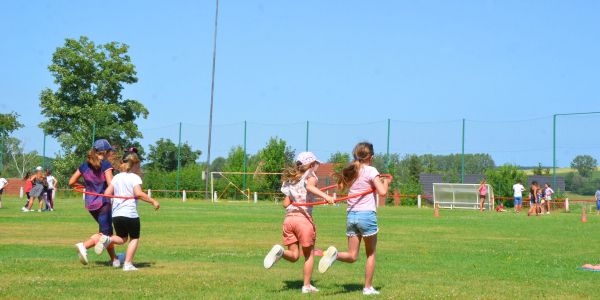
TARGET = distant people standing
x,y
518,189
39,185
3,184
482,193
52,185
28,187
533,196
548,193
597,196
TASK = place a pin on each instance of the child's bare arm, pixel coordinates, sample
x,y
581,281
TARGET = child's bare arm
x,y
311,186
109,190
381,186
137,191
286,201
74,177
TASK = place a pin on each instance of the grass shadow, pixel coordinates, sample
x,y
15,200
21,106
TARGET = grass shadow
x,y
293,284
139,265
351,288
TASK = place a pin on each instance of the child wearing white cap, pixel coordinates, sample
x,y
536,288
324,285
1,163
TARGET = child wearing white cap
x,y
299,231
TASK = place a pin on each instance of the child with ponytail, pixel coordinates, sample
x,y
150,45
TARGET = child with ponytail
x,y
299,231
126,220
359,177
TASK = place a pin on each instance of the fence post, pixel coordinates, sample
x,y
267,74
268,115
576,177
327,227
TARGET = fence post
x,y
255,197
396,198
215,197
149,193
245,157
567,205
178,160
21,193
462,156
419,201
184,196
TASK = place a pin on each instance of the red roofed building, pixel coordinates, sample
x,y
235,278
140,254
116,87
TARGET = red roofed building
x,y
325,174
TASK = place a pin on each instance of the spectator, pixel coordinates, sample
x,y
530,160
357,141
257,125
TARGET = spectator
x,y
3,184
548,192
533,194
39,185
518,189
482,193
28,186
52,185
597,202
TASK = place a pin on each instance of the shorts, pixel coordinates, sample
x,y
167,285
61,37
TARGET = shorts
x,y
598,205
127,227
298,228
361,223
103,216
1,191
518,200
28,196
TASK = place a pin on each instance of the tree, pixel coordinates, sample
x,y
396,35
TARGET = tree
x,y
503,178
8,123
218,164
273,158
538,170
163,155
19,161
584,164
90,81
339,160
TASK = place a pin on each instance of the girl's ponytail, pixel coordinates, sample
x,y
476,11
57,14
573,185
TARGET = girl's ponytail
x,y
93,160
362,152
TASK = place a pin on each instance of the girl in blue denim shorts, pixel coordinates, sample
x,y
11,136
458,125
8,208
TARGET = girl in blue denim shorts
x,y
359,177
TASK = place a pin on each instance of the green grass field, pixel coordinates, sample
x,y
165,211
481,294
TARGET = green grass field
x,y
199,250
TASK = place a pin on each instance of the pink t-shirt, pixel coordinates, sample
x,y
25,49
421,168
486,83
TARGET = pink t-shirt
x,y
363,183
483,190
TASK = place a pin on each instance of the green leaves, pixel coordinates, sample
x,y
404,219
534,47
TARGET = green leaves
x,y
585,165
163,156
9,123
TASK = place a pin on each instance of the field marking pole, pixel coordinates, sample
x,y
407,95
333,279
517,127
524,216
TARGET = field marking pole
x,y
178,161
387,155
245,156
43,152
212,96
93,133
1,150
212,188
462,157
307,129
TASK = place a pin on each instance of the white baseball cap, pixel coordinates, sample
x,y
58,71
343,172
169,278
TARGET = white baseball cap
x,y
39,168
306,158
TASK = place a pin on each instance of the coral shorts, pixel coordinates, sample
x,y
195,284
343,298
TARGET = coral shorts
x,y
298,228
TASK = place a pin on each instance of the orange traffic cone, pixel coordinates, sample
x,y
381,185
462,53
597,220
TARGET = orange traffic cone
x,y
583,216
436,210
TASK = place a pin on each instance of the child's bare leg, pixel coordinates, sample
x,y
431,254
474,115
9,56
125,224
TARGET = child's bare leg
x,y
309,261
91,242
292,254
30,203
131,248
117,240
370,247
40,203
352,254
111,252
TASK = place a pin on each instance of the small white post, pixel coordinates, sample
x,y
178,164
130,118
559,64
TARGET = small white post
x,y
184,196
255,197
83,195
21,193
567,205
419,201
149,193
215,197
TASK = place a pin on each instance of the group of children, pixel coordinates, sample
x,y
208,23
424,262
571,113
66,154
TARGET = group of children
x,y
40,186
120,211
299,230
539,198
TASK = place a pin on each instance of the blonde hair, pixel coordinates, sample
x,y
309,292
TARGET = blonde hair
x,y
294,173
362,153
131,164
93,160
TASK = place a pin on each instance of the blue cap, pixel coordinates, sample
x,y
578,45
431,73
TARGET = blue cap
x,y
102,145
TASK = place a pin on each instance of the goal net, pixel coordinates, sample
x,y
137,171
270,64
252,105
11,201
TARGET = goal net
x,y
461,195
245,186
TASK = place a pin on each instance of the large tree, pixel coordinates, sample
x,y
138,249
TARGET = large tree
x,y
90,80
273,159
8,123
163,155
584,164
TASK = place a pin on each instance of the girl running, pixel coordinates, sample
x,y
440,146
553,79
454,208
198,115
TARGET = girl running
x,y
126,220
361,222
482,193
299,232
97,173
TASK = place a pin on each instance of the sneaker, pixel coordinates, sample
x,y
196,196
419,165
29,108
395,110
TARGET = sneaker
x,y
329,257
102,244
273,256
82,253
24,209
116,263
547,212
370,291
309,289
129,267
39,210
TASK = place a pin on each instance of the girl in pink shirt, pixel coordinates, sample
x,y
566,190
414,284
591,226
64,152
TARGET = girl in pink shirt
x,y
482,193
361,223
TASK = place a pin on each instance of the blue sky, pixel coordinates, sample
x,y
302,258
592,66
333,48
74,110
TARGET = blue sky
x,y
345,66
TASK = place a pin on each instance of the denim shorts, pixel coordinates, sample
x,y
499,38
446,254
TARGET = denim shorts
x,y
361,223
518,200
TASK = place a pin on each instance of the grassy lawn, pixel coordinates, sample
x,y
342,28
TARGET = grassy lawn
x,y
198,250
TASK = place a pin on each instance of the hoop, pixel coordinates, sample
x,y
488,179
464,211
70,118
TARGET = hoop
x,y
81,189
342,198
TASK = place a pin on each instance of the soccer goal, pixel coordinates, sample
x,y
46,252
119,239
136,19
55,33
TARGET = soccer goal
x,y
461,195
245,186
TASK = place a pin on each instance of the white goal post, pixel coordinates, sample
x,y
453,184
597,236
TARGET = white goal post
x,y
461,195
232,181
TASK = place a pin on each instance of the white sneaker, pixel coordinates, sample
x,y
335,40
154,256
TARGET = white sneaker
x,y
82,253
102,243
129,267
116,263
273,256
24,209
309,289
39,210
370,291
328,258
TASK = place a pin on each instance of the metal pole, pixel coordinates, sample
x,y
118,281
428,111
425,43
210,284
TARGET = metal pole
x,y
462,158
245,155
93,133
554,151
307,126
44,152
212,97
1,151
387,156
178,160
